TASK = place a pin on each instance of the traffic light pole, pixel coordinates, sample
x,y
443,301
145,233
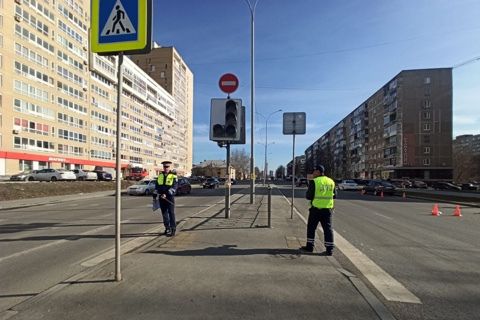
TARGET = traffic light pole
x,y
227,184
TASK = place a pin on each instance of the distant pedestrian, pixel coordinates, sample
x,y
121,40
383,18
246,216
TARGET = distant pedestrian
x,y
165,189
321,192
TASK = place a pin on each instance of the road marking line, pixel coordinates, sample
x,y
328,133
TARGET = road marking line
x,y
49,244
381,215
390,288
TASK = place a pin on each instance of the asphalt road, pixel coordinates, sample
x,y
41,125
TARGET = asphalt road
x,y
436,258
44,245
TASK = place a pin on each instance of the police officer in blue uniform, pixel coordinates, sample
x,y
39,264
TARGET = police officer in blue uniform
x,y
165,187
321,192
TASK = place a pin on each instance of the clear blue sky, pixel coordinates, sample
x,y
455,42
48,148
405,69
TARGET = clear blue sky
x,y
320,57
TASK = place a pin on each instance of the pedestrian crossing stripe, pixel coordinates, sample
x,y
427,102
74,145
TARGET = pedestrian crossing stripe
x,y
118,22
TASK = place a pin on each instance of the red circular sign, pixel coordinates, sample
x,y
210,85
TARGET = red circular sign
x,y
228,83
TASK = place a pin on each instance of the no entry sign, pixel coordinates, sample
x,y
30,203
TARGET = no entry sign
x,y
228,83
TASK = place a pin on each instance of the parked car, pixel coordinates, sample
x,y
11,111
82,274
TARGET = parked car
x,y
376,187
419,184
183,186
469,186
349,185
54,175
402,183
302,182
103,175
23,176
142,188
446,186
211,183
83,175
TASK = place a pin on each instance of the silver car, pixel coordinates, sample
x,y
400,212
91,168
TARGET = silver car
x,y
83,175
54,175
23,176
144,187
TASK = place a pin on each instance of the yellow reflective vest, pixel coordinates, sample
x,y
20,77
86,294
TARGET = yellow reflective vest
x,y
324,190
166,182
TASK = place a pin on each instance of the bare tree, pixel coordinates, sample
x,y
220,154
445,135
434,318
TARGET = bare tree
x,y
463,164
240,161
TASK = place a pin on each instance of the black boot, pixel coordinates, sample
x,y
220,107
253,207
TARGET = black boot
x,y
173,232
168,232
307,248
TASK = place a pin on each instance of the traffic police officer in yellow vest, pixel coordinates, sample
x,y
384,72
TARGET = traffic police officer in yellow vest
x,y
166,186
321,192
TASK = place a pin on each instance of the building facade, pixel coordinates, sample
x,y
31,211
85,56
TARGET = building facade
x,y
466,158
214,168
167,67
58,100
404,130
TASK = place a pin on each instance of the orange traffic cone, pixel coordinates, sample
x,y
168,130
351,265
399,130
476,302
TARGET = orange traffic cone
x,y
435,211
458,211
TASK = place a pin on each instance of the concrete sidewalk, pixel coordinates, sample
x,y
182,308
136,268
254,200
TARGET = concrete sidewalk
x,y
215,268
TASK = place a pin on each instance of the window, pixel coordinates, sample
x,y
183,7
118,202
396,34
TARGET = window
x,y
426,138
426,161
427,127
426,150
427,80
426,115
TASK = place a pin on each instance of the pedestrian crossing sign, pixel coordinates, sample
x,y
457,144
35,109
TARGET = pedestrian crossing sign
x,y
120,26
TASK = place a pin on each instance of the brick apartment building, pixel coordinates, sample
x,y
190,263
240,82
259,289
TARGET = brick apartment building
x,y
404,130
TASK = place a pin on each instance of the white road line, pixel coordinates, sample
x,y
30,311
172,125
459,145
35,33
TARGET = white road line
x,y
390,288
49,244
381,215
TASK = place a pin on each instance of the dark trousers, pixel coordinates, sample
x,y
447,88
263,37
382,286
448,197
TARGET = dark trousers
x,y
168,212
324,216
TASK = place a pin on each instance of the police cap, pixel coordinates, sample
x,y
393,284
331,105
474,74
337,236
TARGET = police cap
x,y
166,163
320,168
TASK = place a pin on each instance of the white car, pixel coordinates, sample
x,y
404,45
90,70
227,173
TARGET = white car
x,y
144,187
349,185
54,175
85,175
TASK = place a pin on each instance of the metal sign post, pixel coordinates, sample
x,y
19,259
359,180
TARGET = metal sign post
x,y
293,177
294,123
118,180
120,27
227,184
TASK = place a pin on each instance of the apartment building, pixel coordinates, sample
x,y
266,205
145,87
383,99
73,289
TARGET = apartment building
x,y
167,67
468,142
404,130
58,100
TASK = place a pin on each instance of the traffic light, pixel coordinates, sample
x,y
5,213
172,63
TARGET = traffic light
x,y
232,115
226,120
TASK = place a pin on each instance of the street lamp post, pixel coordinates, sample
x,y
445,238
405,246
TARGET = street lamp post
x,y
252,96
265,164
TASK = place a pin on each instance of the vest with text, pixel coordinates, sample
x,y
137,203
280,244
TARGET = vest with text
x,y
324,190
